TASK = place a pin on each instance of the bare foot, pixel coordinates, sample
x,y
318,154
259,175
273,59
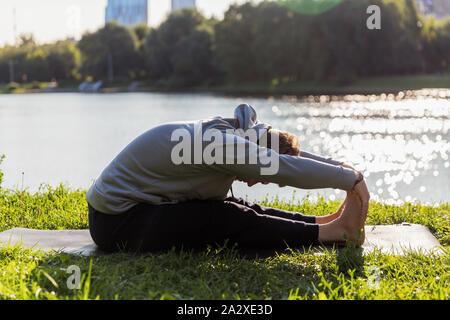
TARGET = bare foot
x,y
347,227
332,217
362,216
353,220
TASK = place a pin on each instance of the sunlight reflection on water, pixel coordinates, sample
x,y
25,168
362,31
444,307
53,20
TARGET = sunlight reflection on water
x,y
401,142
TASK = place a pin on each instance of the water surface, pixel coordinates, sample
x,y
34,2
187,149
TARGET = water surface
x,y
401,142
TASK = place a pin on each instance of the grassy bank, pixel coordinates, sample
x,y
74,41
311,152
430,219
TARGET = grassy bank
x,y
377,85
29,87
218,272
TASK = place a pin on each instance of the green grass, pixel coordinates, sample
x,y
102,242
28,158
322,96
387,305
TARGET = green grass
x,y
278,87
25,87
399,83
373,85
218,272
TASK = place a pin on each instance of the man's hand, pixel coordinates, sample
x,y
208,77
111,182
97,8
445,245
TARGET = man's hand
x,y
251,182
363,193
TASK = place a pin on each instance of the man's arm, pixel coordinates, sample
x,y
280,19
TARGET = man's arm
x,y
305,154
299,172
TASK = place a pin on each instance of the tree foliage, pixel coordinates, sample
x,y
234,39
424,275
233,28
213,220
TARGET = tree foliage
x,y
113,40
32,62
280,40
272,40
180,51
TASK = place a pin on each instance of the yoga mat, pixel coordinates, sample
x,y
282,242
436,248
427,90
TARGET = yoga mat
x,y
67,241
391,239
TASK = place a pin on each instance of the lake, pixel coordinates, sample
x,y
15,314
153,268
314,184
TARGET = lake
x,y
401,143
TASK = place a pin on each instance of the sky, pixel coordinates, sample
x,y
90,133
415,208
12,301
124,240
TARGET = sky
x,y
50,20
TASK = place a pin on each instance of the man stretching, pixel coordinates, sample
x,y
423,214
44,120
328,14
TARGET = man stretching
x,y
168,188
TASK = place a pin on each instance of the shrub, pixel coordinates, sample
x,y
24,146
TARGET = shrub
x,y
36,85
13,86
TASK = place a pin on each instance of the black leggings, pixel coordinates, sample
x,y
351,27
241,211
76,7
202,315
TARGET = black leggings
x,y
196,224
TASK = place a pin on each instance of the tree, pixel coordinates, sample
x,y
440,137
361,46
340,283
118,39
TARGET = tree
x,y
234,35
272,41
436,45
63,60
36,65
26,39
15,56
142,31
111,46
179,52
281,42
192,60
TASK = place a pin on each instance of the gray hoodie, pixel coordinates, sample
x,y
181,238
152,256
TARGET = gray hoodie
x,y
144,172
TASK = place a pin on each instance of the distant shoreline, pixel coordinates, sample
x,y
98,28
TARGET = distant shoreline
x,y
364,86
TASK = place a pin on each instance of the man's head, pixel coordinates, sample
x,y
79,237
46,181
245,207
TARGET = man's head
x,y
288,144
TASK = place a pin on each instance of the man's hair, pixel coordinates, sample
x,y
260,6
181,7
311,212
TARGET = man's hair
x,y
288,142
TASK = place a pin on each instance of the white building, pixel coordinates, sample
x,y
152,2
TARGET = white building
x,y
181,4
127,12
